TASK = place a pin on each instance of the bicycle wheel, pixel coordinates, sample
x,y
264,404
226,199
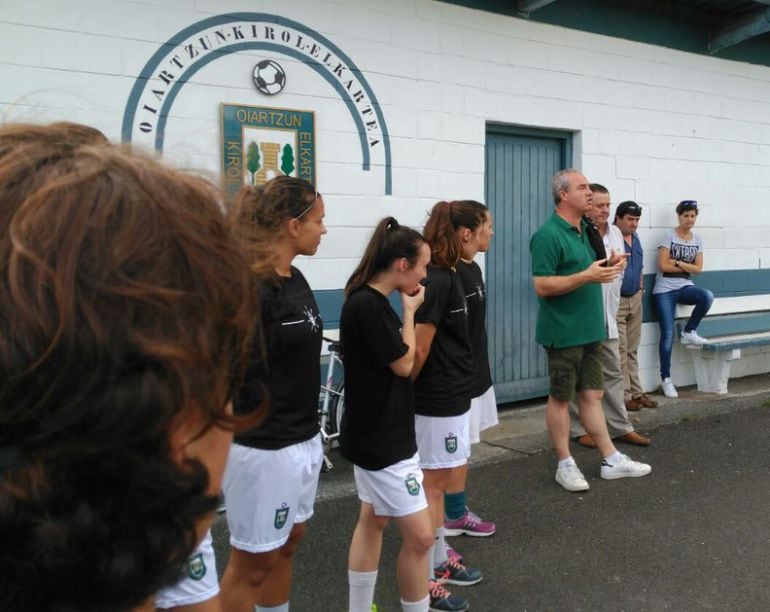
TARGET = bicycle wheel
x,y
336,409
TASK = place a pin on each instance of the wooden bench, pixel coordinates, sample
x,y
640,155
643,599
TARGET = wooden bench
x,y
732,324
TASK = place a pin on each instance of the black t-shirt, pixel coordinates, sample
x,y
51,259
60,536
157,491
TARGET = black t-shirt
x,y
476,298
377,427
445,384
293,331
595,238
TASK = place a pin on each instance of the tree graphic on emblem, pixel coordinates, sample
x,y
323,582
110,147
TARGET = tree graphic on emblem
x,y
287,160
252,161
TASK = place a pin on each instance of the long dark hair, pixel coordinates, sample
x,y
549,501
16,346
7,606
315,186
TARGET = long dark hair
x,y
445,219
390,241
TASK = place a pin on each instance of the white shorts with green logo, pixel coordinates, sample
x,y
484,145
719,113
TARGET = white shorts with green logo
x,y
392,491
443,442
267,492
198,582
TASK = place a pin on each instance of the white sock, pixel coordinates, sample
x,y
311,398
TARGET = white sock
x,y
282,608
439,548
416,606
361,590
567,462
614,458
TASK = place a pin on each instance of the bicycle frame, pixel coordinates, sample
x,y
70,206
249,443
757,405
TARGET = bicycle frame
x,y
331,396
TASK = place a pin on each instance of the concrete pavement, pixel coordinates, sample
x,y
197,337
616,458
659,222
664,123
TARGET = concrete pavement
x,y
691,536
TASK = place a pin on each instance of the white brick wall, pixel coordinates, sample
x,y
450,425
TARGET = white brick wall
x,y
653,124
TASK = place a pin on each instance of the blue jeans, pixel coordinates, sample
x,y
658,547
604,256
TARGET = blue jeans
x,y
665,307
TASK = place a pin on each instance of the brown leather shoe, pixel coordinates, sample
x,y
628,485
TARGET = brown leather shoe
x,y
586,440
633,405
634,438
645,401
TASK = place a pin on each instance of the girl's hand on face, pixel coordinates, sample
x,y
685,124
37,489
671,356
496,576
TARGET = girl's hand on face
x,y
411,300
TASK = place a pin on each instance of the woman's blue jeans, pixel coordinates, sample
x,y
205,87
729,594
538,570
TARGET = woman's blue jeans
x,y
665,307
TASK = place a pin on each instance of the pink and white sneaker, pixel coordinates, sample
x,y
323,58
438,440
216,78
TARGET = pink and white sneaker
x,y
469,524
451,553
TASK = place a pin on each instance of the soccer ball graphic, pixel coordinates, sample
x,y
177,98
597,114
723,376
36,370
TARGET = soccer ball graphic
x,y
269,77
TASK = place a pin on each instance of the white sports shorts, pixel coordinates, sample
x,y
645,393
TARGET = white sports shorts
x,y
443,442
198,582
267,492
392,491
483,414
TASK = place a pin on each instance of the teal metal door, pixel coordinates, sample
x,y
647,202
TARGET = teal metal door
x,y
519,167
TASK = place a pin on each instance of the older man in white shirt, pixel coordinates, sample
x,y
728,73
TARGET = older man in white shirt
x,y
618,423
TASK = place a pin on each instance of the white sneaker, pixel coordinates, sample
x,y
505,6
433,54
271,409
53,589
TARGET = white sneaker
x,y
626,468
571,478
669,390
691,339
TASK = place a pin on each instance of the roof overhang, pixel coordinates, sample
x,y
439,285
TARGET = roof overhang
x,y
732,29
741,29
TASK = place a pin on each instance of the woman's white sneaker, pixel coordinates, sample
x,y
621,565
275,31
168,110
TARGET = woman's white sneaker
x,y
669,390
571,478
691,339
625,468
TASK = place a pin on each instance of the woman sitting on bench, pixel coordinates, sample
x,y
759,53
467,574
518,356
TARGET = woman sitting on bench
x,y
680,255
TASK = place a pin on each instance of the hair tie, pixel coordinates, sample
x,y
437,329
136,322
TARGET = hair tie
x,y
10,458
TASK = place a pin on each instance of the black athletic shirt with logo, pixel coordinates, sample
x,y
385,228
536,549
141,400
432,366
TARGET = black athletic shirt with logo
x,y
445,384
476,298
377,427
293,331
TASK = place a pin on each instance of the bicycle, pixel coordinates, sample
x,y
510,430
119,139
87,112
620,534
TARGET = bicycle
x,y
331,402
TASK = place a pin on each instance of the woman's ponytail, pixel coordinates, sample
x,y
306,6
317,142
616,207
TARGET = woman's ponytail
x,y
389,241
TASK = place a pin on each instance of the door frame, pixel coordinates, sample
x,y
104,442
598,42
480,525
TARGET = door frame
x,y
537,388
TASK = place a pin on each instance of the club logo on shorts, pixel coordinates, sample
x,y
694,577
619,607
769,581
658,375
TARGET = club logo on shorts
x,y
412,486
196,567
281,514
450,443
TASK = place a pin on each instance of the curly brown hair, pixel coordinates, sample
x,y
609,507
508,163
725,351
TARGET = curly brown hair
x,y
125,302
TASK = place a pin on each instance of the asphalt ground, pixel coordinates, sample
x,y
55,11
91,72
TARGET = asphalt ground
x,y
693,535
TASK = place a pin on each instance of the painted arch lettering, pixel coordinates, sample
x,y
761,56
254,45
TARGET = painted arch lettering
x,y
177,60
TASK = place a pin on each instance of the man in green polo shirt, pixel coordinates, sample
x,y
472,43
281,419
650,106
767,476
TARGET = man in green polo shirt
x,y
570,326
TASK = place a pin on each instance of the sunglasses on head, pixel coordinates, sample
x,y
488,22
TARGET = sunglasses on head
x,y
689,204
633,209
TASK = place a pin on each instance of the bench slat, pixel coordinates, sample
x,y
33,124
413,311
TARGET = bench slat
x,y
724,343
731,325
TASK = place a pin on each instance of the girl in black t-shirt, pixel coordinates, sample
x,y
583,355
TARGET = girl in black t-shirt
x,y
272,471
474,233
377,429
445,376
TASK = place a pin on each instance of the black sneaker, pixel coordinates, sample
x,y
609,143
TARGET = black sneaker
x,y
442,600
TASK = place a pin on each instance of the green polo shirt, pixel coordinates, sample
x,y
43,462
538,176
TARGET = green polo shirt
x,y
577,317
